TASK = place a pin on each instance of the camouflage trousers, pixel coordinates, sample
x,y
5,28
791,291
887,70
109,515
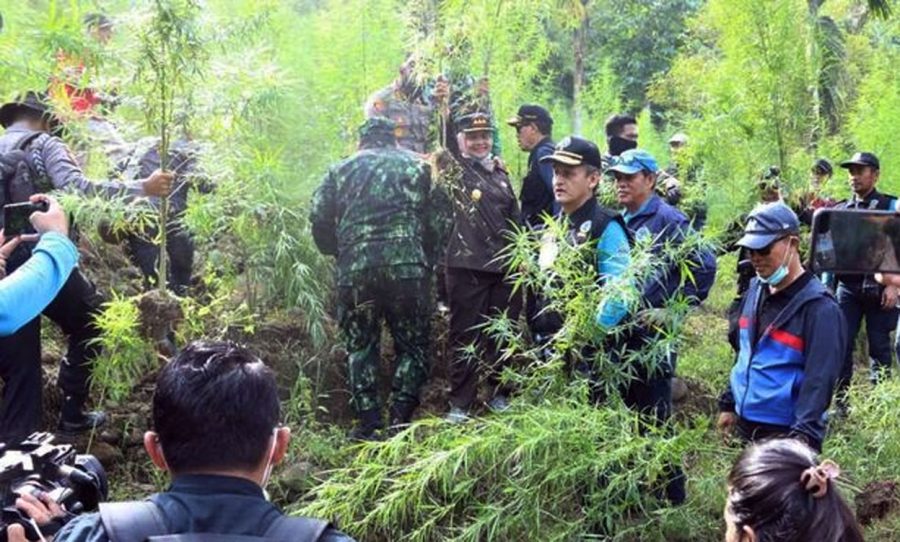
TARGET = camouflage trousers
x,y
405,305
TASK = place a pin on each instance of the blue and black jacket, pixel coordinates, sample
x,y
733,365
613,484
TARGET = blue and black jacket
x,y
787,376
665,224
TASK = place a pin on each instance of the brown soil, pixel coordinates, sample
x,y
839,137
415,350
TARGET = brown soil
x,y
700,400
876,501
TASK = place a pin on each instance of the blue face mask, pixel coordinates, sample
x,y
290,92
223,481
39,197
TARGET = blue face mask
x,y
779,274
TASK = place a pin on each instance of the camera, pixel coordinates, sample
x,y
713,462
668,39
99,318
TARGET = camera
x,y
77,482
16,217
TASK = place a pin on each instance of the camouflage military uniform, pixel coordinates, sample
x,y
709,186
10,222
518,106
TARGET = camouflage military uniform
x,y
372,212
412,115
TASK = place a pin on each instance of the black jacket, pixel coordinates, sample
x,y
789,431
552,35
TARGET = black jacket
x,y
485,211
537,186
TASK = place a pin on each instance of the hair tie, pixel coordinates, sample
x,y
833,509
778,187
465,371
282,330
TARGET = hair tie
x,y
815,479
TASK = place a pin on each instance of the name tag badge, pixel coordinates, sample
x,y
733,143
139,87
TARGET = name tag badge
x,y
549,251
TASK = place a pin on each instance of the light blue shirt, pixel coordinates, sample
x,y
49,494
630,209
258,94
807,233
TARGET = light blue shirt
x,y
30,288
613,258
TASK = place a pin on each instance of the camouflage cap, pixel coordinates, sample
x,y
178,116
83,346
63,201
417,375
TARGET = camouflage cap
x,y
378,128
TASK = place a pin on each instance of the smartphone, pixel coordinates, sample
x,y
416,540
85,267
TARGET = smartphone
x,y
16,217
848,241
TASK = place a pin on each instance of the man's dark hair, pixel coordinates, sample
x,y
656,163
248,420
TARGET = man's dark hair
x,y
545,127
97,20
214,408
616,123
766,494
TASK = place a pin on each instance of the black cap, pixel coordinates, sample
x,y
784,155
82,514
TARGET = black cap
x,y
529,113
97,20
32,102
475,122
862,159
822,166
574,151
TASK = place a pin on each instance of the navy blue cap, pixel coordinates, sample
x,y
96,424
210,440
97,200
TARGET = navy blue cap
x,y
575,151
822,166
529,113
862,159
767,224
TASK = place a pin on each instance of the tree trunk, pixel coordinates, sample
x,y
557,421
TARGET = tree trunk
x,y
580,43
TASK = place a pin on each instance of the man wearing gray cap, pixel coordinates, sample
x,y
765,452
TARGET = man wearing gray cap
x,y
792,339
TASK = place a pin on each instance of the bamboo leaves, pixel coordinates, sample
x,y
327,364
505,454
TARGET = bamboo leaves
x,y
172,55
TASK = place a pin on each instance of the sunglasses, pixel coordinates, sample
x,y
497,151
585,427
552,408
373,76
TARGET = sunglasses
x,y
766,250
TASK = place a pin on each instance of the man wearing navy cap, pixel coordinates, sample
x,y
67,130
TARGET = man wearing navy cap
x,y
792,339
577,170
534,129
652,220
860,296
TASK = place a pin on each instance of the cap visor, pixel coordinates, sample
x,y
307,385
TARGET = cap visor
x,y
849,163
514,121
625,170
567,160
757,241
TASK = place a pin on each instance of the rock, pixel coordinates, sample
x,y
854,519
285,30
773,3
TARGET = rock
x,y
111,436
107,454
134,438
679,390
298,476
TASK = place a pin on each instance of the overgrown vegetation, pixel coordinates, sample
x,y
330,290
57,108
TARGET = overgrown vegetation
x,y
278,99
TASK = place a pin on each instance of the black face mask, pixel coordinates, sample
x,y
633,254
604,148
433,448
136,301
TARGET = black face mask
x,y
618,145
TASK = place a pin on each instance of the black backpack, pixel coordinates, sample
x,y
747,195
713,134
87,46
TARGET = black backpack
x,y
141,521
19,168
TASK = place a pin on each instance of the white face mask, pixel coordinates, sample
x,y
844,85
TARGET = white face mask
x,y
778,276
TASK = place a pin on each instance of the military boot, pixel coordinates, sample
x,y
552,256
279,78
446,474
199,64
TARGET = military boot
x,y
367,427
401,416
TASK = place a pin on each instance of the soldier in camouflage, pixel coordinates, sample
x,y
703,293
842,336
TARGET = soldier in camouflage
x,y
408,106
373,212
413,106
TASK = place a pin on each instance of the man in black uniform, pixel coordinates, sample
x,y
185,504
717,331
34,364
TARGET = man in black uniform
x,y
860,296
577,172
49,164
534,129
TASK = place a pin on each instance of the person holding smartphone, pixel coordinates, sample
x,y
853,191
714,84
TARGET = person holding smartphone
x,y
861,297
31,287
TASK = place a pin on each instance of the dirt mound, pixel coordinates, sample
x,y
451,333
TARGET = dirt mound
x,y
694,398
876,501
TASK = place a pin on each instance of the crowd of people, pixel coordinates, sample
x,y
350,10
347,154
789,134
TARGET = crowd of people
x,y
422,214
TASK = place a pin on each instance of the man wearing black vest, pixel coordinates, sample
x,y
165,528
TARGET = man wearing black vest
x,y
576,173
217,433
534,129
860,296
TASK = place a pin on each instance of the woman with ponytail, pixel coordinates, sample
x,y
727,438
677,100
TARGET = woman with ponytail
x,y
778,491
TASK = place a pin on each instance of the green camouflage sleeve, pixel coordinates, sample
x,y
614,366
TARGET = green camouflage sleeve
x,y
323,215
438,223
